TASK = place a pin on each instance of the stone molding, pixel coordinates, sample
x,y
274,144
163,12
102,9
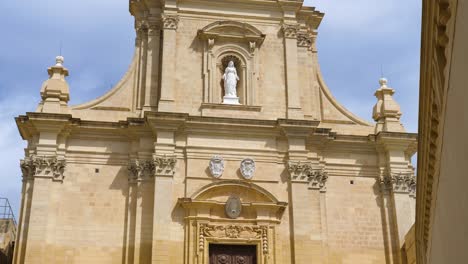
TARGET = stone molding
x,y
305,172
290,30
140,170
51,167
399,183
165,165
170,22
436,51
245,232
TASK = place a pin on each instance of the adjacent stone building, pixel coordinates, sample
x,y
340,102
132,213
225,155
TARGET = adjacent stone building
x,y
168,167
442,203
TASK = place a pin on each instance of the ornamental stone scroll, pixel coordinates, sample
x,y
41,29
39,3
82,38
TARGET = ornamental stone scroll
x,y
234,232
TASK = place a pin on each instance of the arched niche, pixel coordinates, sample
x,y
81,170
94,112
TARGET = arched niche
x,y
230,38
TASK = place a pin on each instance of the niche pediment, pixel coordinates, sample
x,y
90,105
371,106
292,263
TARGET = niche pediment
x,y
233,30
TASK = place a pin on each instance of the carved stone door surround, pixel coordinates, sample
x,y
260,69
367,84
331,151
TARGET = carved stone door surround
x,y
207,223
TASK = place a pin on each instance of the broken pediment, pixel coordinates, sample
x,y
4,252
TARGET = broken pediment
x,y
232,30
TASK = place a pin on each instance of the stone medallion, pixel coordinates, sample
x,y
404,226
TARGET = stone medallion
x,y
247,168
216,166
233,207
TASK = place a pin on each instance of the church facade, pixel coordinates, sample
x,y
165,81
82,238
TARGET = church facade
x,y
221,144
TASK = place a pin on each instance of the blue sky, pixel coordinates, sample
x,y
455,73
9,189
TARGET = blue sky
x,y
356,39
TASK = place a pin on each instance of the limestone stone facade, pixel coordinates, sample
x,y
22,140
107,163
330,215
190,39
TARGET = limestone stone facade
x,y
144,173
442,211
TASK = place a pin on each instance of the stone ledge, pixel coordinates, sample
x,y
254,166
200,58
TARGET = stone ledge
x,y
252,108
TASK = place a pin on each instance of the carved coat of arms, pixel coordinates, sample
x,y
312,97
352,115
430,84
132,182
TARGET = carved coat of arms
x,y
216,166
247,168
233,207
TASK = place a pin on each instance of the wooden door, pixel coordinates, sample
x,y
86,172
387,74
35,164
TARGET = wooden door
x,y
232,254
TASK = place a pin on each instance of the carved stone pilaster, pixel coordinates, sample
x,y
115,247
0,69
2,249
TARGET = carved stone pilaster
x,y
43,167
290,30
140,170
170,22
153,29
304,172
399,183
165,165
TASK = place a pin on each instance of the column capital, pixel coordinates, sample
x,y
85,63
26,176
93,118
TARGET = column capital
x,y
398,183
170,21
140,170
165,165
51,167
290,30
305,172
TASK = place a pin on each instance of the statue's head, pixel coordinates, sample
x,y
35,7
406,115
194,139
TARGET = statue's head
x,y
231,64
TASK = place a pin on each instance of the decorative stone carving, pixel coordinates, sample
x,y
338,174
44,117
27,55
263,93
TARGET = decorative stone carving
x,y
43,167
246,232
211,43
317,180
233,207
290,30
140,170
170,21
304,39
399,183
299,170
304,171
252,46
216,166
165,165
247,168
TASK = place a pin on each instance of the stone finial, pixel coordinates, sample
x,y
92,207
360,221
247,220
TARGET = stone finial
x,y
55,92
386,111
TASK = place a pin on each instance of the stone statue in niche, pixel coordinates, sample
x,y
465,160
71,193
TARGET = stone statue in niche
x,y
230,78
